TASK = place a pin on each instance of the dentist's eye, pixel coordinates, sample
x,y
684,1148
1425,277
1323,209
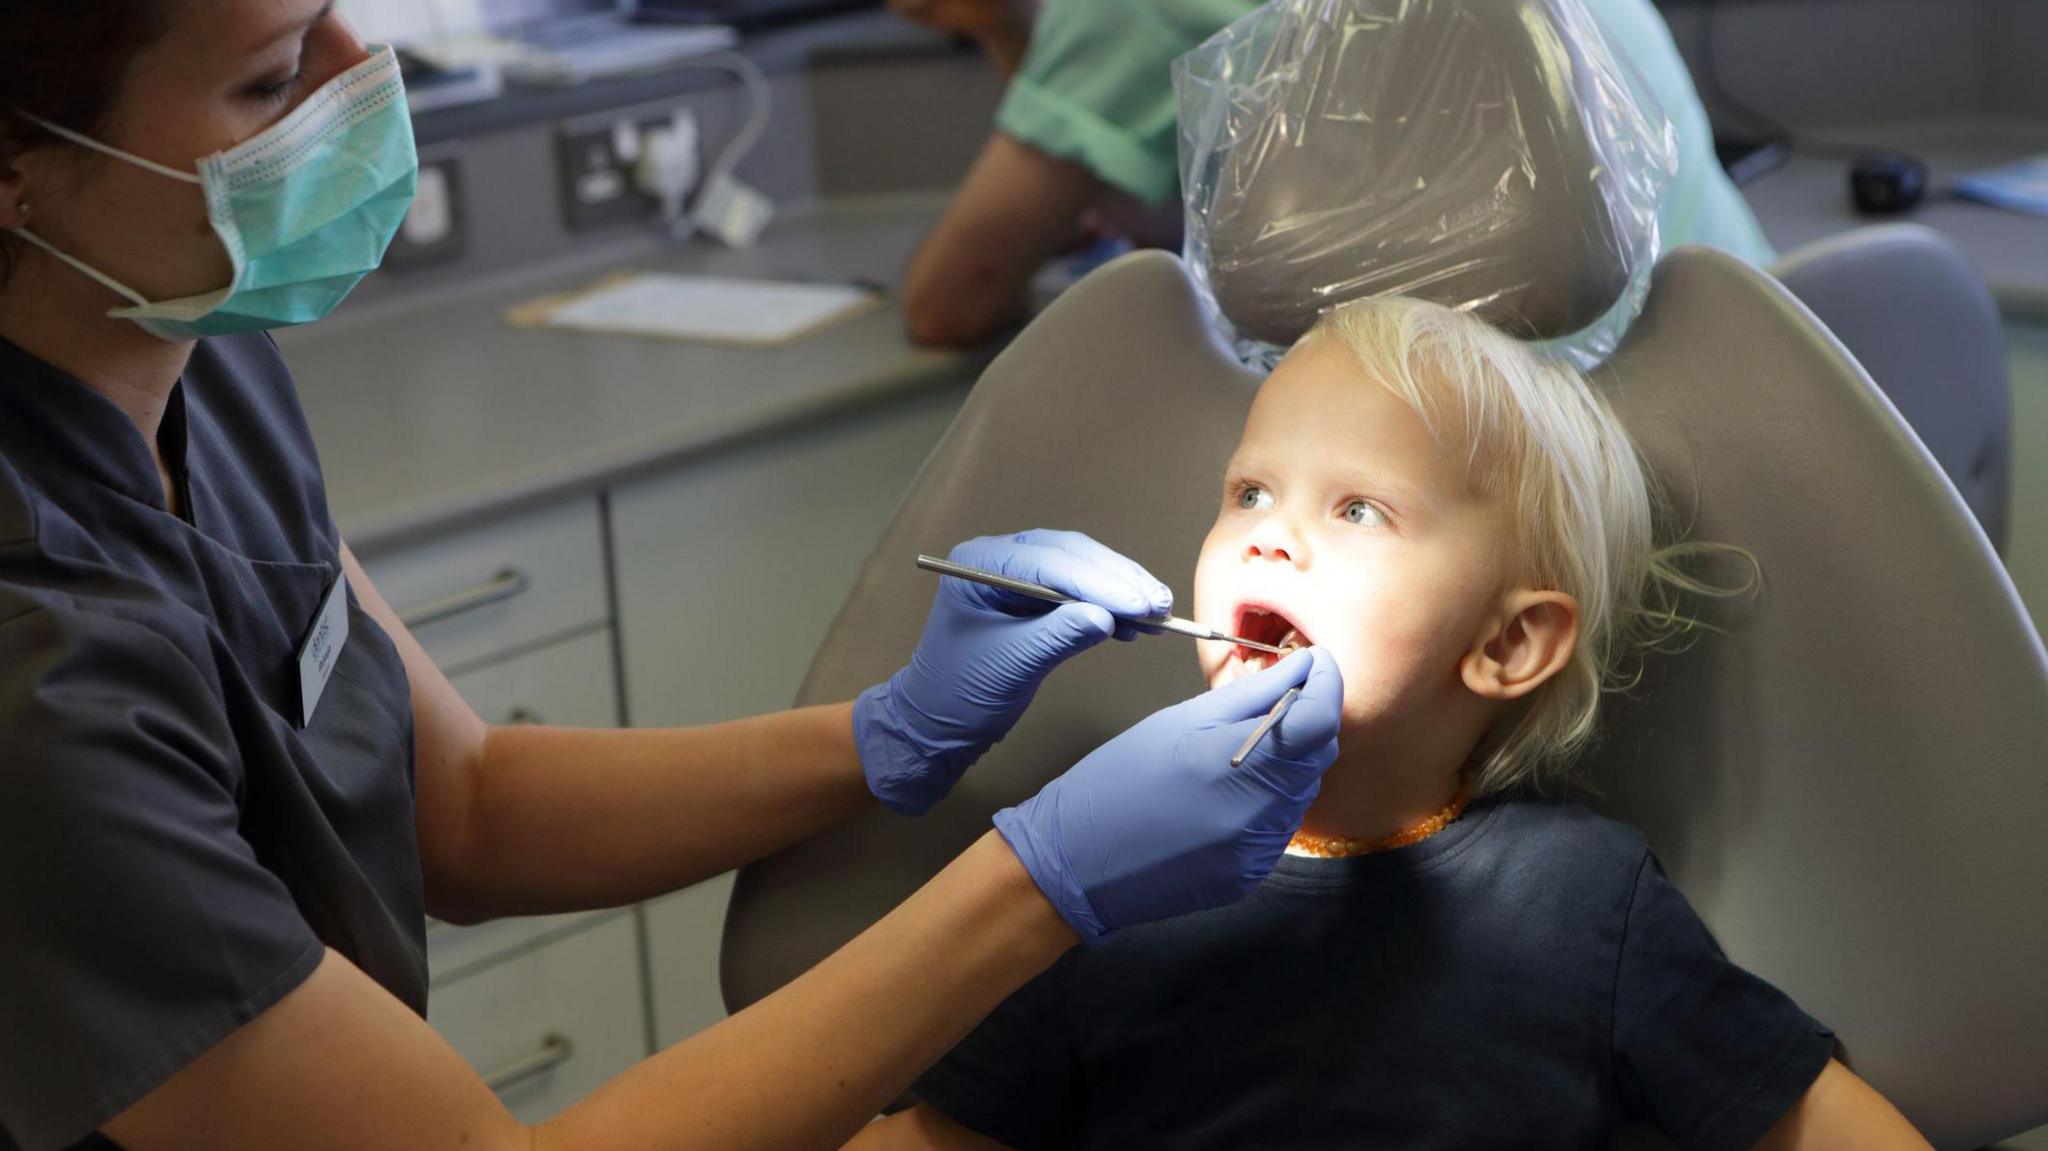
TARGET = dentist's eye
x,y
1364,514
278,90
1252,497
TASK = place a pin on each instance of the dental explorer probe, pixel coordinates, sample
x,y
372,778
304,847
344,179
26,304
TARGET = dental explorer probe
x,y
1172,623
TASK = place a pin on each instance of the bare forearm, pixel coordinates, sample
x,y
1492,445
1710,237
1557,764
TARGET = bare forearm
x,y
846,1037
1005,46
1841,1110
969,278
566,818
339,1064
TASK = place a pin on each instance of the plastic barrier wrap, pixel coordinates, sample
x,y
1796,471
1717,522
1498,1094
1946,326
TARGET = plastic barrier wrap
x,y
1490,155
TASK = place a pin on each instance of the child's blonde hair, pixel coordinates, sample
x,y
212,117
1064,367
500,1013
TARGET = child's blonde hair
x,y
1585,509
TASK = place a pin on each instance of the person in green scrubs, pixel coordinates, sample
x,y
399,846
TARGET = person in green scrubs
x,y
1085,140
1701,205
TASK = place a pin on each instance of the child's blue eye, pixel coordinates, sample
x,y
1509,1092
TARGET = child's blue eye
x,y
1364,514
1252,497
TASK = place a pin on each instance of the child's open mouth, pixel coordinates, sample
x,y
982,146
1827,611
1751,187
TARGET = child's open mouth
x,y
1262,624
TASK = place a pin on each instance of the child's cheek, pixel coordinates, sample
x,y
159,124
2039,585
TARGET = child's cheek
x,y
1369,692
1389,667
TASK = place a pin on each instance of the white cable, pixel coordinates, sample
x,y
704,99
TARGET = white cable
x,y
760,105
760,102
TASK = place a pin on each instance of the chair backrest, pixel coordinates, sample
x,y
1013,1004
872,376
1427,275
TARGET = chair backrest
x,y
1111,414
1848,784
1916,313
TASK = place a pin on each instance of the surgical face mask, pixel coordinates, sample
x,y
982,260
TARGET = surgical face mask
x,y
305,208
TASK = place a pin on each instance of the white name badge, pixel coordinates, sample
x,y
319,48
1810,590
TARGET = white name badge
x,y
317,656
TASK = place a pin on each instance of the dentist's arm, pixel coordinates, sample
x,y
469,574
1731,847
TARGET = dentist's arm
x,y
337,1064
514,820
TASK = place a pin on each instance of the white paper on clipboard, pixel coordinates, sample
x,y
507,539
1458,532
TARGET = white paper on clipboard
x,y
712,309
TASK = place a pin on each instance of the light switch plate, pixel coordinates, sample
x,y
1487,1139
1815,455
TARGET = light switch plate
x,y
432,231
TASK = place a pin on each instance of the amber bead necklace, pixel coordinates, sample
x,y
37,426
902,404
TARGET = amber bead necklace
x,y
1342,846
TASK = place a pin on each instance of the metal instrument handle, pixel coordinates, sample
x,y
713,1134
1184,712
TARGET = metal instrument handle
x,y
1172,623
992,579
554,1050
507,583
1267,724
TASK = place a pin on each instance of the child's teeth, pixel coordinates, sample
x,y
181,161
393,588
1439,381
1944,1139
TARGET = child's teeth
x,y
1290,641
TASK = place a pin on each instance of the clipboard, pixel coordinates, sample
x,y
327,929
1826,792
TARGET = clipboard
x,y
718,310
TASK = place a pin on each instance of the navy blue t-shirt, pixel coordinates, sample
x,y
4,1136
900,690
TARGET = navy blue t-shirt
x,y
1526,977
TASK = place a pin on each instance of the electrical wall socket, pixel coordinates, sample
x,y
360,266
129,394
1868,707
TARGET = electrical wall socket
x,y
596,156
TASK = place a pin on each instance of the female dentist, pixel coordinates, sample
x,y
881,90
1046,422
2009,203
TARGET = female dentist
x,y
234,785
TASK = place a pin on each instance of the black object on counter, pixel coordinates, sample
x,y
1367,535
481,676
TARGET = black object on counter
x,y
1886,183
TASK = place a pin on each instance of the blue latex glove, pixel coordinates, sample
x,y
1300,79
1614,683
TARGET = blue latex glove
x,y
983,655
1156,823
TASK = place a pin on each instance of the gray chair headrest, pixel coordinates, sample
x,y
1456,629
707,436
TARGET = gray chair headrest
x,y
1482,154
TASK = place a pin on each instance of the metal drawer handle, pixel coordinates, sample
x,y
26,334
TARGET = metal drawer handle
x,y
554,1051
507,583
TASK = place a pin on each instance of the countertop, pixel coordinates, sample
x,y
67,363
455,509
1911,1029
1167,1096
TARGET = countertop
x,y
429,413
1808,199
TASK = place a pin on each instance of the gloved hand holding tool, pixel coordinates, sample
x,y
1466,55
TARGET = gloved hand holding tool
x,y
984,652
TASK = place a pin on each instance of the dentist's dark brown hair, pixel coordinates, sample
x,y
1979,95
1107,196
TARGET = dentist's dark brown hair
x,y
65,61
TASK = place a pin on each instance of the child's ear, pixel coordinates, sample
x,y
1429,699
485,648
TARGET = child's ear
x,y
1531,640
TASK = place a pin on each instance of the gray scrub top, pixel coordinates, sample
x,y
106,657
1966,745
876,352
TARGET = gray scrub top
x,y
176,851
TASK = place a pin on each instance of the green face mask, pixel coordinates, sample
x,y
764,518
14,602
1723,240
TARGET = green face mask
x,y
305,208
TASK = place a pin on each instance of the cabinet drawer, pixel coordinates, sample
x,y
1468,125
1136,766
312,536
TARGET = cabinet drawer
x,y
474,594
551,1026
567,683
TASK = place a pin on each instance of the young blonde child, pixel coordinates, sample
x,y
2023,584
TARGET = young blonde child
x,y
1451,954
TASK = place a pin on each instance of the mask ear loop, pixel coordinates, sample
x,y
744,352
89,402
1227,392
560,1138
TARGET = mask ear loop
x,y
84,141
105,281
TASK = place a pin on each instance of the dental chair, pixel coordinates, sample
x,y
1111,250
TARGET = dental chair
x,y
1916,313
1847,783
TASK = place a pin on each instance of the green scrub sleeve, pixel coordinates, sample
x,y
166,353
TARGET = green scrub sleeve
x,y
1096,86
1701,205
